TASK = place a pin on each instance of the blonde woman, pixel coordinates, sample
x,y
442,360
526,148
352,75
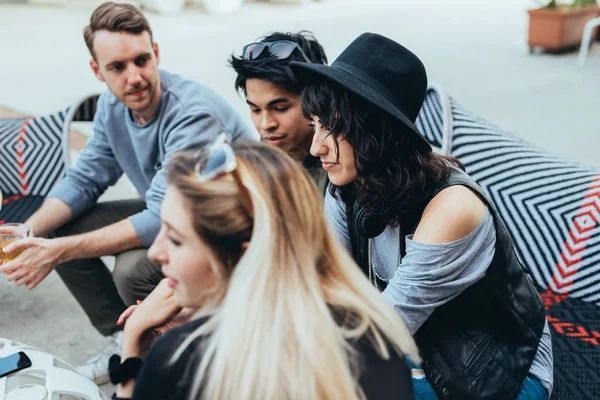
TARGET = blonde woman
x,y
283,310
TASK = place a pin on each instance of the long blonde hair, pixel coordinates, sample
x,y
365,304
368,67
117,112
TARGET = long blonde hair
x,y
283,312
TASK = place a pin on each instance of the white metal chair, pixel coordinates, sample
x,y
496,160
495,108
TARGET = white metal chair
x,y
587,39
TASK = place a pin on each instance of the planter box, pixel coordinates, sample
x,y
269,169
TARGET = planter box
x,y
558,29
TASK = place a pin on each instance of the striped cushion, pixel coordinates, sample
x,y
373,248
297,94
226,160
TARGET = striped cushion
x,y
32,151
34,155
550,205
31,154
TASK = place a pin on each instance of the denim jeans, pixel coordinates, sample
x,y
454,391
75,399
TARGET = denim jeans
x,y
422,388
532,388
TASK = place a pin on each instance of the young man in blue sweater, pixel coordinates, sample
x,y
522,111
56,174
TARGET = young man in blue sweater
x,y
145,116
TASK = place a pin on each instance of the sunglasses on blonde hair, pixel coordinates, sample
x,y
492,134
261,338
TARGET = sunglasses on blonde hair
x,y
216,159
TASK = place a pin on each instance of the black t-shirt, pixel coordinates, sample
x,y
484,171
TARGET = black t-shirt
x,y
380,379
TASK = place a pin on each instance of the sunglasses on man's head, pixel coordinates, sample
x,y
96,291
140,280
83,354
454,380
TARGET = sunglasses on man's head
x,y
217,158
280,49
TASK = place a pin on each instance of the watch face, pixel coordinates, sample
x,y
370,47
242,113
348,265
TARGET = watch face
x,y
29,392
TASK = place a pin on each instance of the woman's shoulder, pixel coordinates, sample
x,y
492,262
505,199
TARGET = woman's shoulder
x,y
451,215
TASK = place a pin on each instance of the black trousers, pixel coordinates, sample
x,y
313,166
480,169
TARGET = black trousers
x,y
103,296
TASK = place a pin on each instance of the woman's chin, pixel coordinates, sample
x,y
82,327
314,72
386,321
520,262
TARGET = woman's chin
x,y
340,179
185,301
182,300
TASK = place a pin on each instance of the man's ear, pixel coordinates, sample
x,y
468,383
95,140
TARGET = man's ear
x,y
96,69
156,52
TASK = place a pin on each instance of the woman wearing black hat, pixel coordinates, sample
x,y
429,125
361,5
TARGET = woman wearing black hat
x,y
422,229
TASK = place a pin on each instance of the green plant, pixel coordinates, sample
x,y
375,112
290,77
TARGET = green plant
x,y
583,3
550,4
570,4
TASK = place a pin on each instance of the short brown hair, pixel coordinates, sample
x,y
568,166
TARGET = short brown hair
x,y
115,17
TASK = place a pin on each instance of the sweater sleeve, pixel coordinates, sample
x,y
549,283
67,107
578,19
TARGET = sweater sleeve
x,y
335,213
96,169
431,275
188,131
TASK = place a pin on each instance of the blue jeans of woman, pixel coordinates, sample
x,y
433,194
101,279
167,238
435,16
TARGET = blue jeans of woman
x,y
532,388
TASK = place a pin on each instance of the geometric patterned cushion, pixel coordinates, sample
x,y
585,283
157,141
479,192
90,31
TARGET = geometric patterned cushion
x,y
551,208
550,205
17,208
34,155
431,122
31,154
34,151
575,326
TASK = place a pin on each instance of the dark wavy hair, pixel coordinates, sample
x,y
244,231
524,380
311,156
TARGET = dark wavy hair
x,y
396,177
275,70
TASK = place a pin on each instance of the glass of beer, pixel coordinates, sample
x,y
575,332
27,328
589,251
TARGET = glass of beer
x,y
8,234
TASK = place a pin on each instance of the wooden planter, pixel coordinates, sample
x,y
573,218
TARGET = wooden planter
x,y
558,29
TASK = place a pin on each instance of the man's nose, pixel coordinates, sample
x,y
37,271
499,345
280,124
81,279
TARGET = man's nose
x,y
267,122
134,76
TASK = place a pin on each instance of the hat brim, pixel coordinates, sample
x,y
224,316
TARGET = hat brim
x,y
348,81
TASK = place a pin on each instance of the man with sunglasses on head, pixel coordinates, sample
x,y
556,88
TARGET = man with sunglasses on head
x,y
273,93
147,115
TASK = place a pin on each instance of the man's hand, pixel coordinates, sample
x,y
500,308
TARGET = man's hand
x,y
36,260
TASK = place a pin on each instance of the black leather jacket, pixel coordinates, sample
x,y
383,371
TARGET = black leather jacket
x,y
481,344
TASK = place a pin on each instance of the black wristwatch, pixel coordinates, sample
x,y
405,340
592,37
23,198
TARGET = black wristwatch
x,y
122,372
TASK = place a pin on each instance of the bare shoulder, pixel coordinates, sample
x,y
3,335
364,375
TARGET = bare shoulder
x,y
451,215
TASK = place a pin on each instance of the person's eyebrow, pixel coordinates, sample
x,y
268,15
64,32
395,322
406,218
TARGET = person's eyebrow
x,y
113,63
171,227
278,101
141,55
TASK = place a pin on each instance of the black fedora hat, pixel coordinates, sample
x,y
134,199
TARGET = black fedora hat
x,y
380,71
